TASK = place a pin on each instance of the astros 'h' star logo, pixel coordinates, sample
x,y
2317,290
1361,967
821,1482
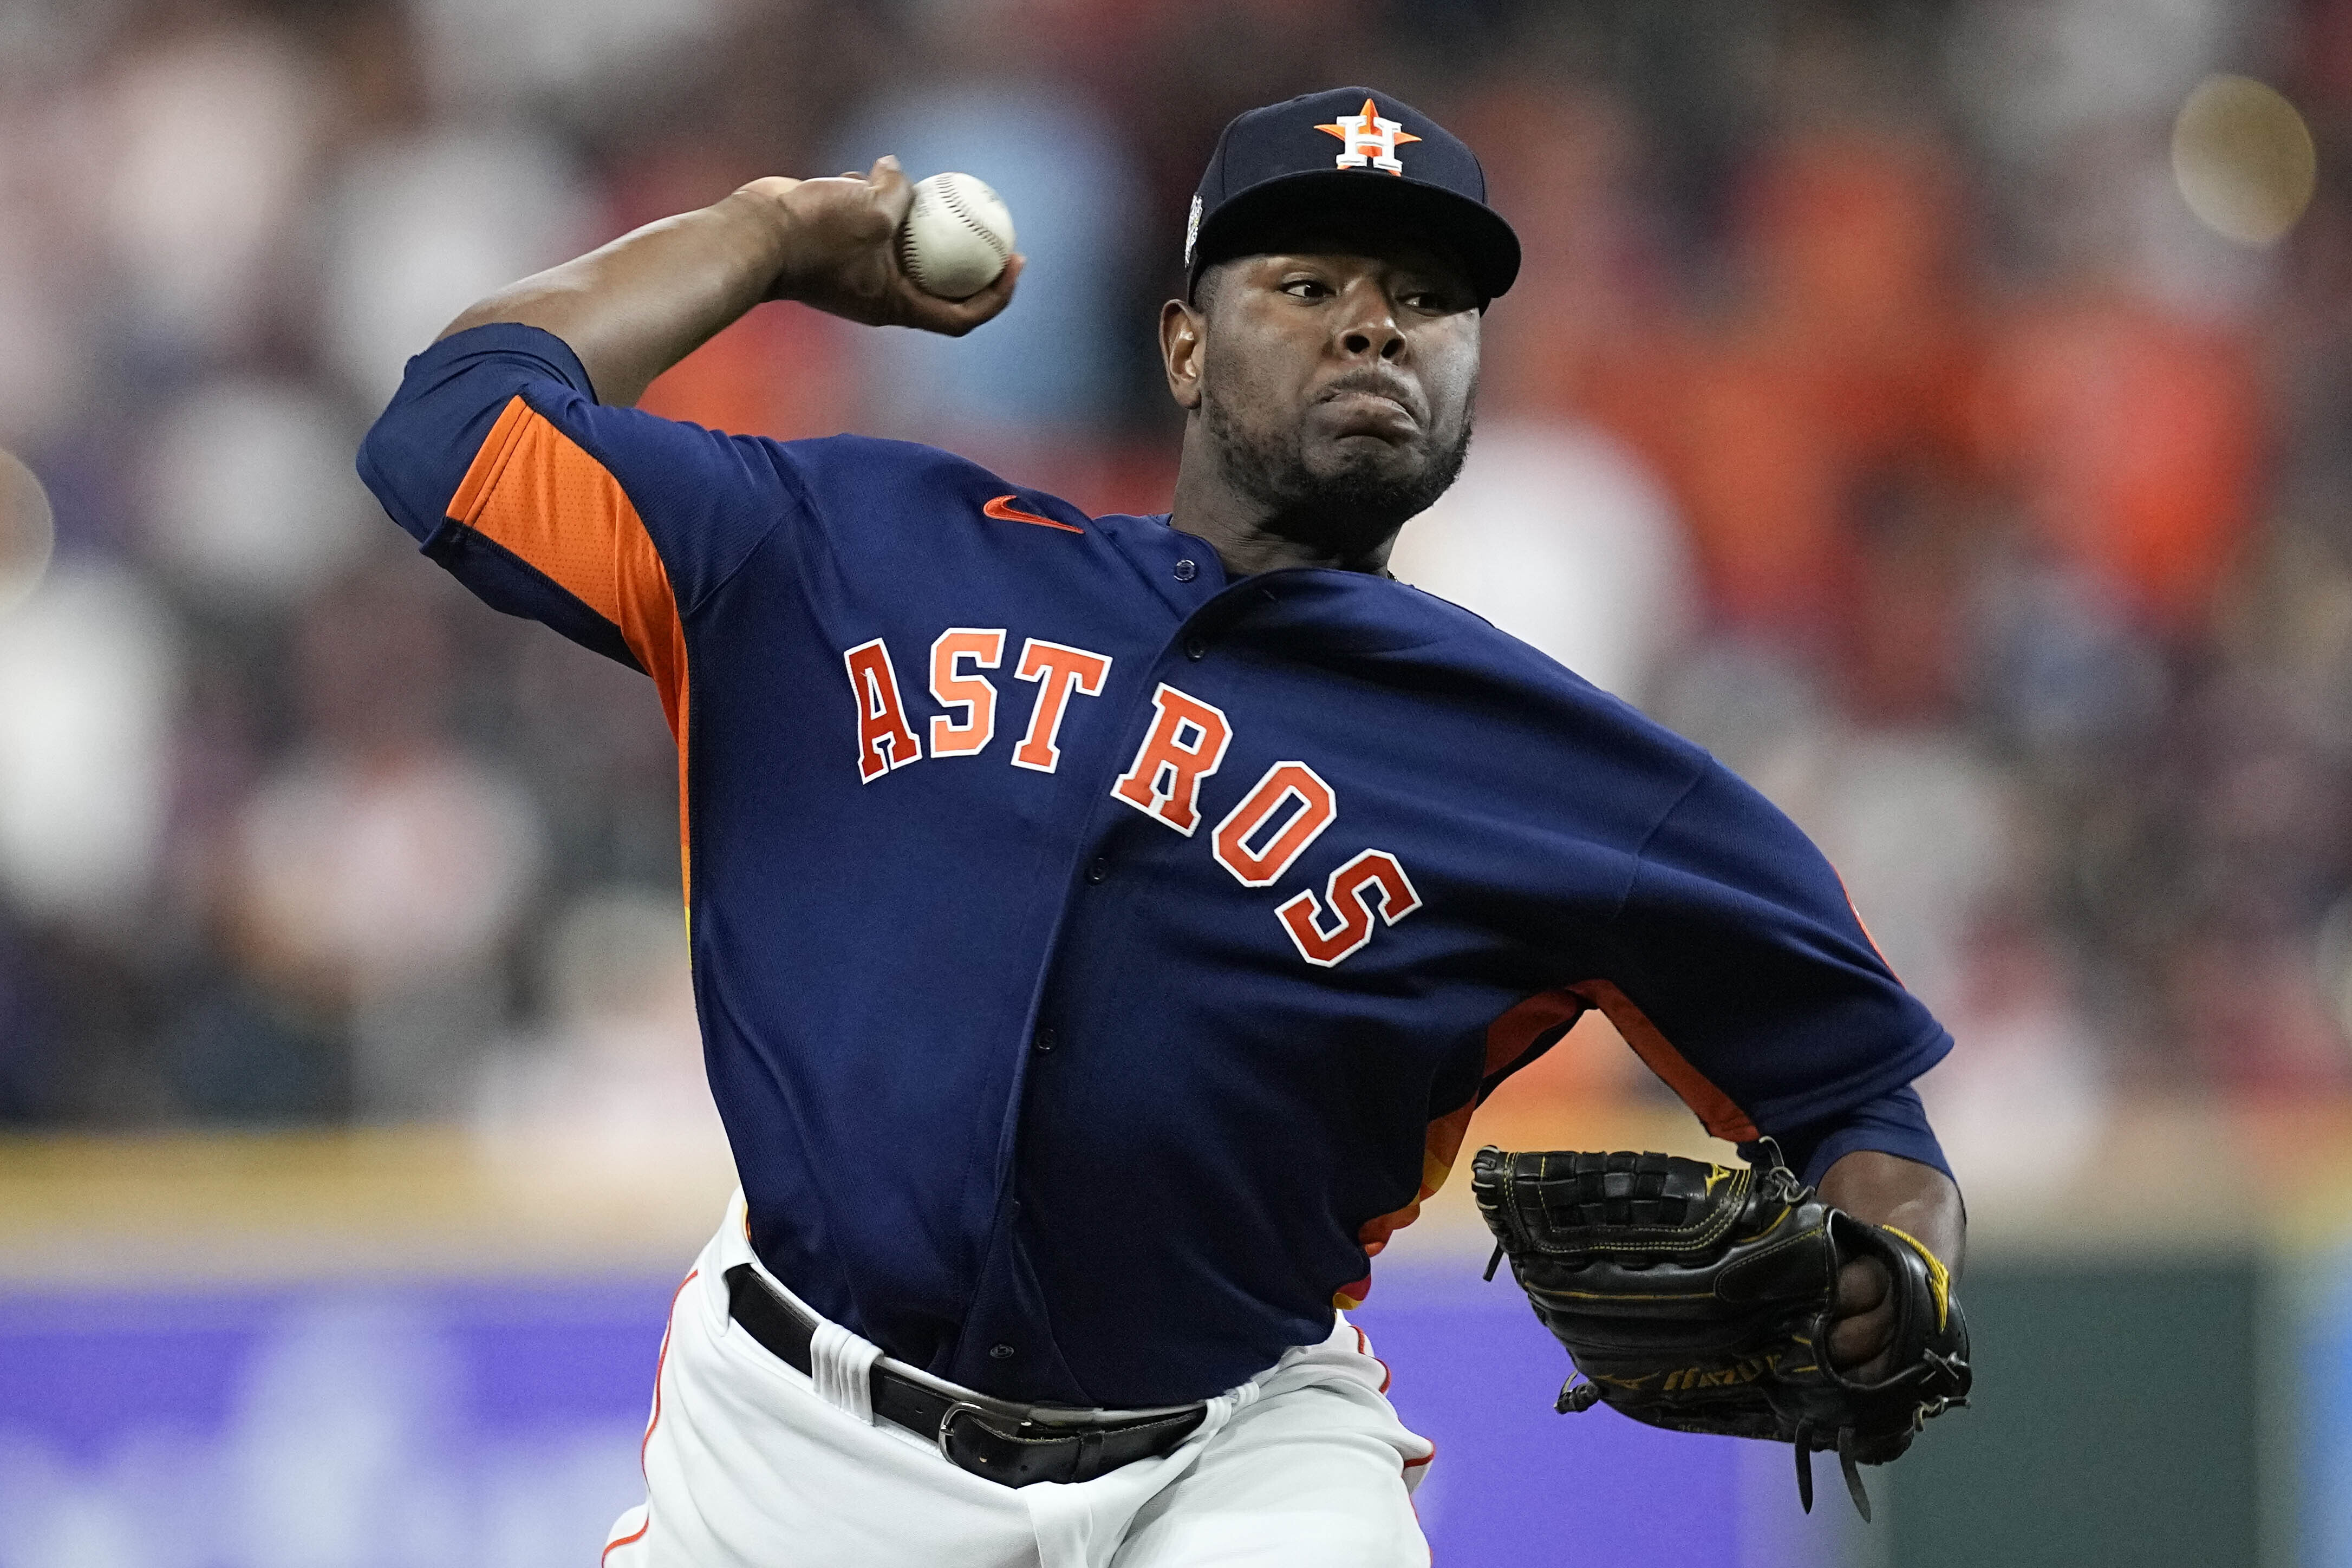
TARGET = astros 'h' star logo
x,y
1371,141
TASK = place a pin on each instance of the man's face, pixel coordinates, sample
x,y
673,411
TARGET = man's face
x,y
1334,377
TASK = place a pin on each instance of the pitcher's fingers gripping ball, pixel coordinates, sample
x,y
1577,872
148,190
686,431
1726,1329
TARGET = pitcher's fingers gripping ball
x,y
1702,1297
957,238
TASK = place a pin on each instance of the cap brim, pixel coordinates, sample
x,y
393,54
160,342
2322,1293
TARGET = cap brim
x,y
1478,234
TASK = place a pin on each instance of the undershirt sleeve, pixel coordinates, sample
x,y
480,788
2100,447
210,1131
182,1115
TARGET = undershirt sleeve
x,y
1893,1123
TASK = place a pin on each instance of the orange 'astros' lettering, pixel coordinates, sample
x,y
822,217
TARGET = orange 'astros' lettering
x,y
1344,894
1058,671
952,688
1275,823
884,740
1187,741
1317,807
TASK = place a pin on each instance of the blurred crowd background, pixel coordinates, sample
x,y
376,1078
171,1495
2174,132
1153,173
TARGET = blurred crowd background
x,y
1940,407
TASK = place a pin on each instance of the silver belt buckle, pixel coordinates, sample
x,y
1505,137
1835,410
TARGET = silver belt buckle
x,y
946,1419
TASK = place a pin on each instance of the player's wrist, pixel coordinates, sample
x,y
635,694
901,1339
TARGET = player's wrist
x,y
1888,1190
774,236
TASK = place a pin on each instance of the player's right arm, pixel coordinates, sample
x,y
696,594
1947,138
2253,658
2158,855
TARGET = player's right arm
x,y
633,309
510,455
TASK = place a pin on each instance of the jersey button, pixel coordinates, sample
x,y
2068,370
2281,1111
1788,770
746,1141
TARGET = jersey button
x,y
1195,649
1098,870
1044,1041
1000,1352
1186,572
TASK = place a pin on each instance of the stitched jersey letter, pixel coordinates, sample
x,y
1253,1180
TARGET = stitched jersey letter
x,y
1187,741
976,695
1058,671
1317,806
884,739
1375,871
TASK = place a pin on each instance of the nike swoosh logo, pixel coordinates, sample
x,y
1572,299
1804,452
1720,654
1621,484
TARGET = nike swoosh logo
x,y
1004,511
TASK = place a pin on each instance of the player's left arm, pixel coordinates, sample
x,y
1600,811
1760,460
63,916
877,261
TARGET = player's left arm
x,y
1756,992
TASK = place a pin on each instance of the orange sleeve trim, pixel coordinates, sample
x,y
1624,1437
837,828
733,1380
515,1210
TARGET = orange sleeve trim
x,y
534,490
1509,1036
1508,1039
1444,1147
537,493
482,473
1712,1107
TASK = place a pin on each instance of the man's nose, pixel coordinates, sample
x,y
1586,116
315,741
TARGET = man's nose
x,y
1371,326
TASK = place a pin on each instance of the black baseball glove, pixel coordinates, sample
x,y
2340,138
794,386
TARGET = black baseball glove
x,y
1700,1296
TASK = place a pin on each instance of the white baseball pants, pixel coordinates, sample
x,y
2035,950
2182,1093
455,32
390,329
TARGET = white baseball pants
x,y
751,1464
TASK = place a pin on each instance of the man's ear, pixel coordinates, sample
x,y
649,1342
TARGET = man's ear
x,y
1182,330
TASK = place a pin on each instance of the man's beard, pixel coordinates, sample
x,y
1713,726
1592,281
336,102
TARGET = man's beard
x,y
1361,505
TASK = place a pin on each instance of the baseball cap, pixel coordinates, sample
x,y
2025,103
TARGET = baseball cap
x,y
1350,149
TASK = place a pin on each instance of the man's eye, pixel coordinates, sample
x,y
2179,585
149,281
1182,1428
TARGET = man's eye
x,y
1305,288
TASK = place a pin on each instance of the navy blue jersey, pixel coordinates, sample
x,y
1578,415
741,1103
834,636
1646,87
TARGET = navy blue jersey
x,y
1098,957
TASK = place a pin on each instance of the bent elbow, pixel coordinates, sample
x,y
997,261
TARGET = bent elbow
x,y
404,468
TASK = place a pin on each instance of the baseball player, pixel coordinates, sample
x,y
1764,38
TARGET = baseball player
x,y
1104,927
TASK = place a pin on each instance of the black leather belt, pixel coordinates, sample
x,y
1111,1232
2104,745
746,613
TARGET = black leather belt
x,y
1009,1443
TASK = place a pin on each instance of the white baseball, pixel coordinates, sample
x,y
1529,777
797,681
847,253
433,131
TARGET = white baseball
x,y
957,238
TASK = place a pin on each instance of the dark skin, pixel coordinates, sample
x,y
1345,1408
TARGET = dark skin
x,y
1326,385
633,309
1351,359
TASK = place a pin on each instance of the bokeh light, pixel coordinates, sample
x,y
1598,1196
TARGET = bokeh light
x,y
28,532
2243,159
